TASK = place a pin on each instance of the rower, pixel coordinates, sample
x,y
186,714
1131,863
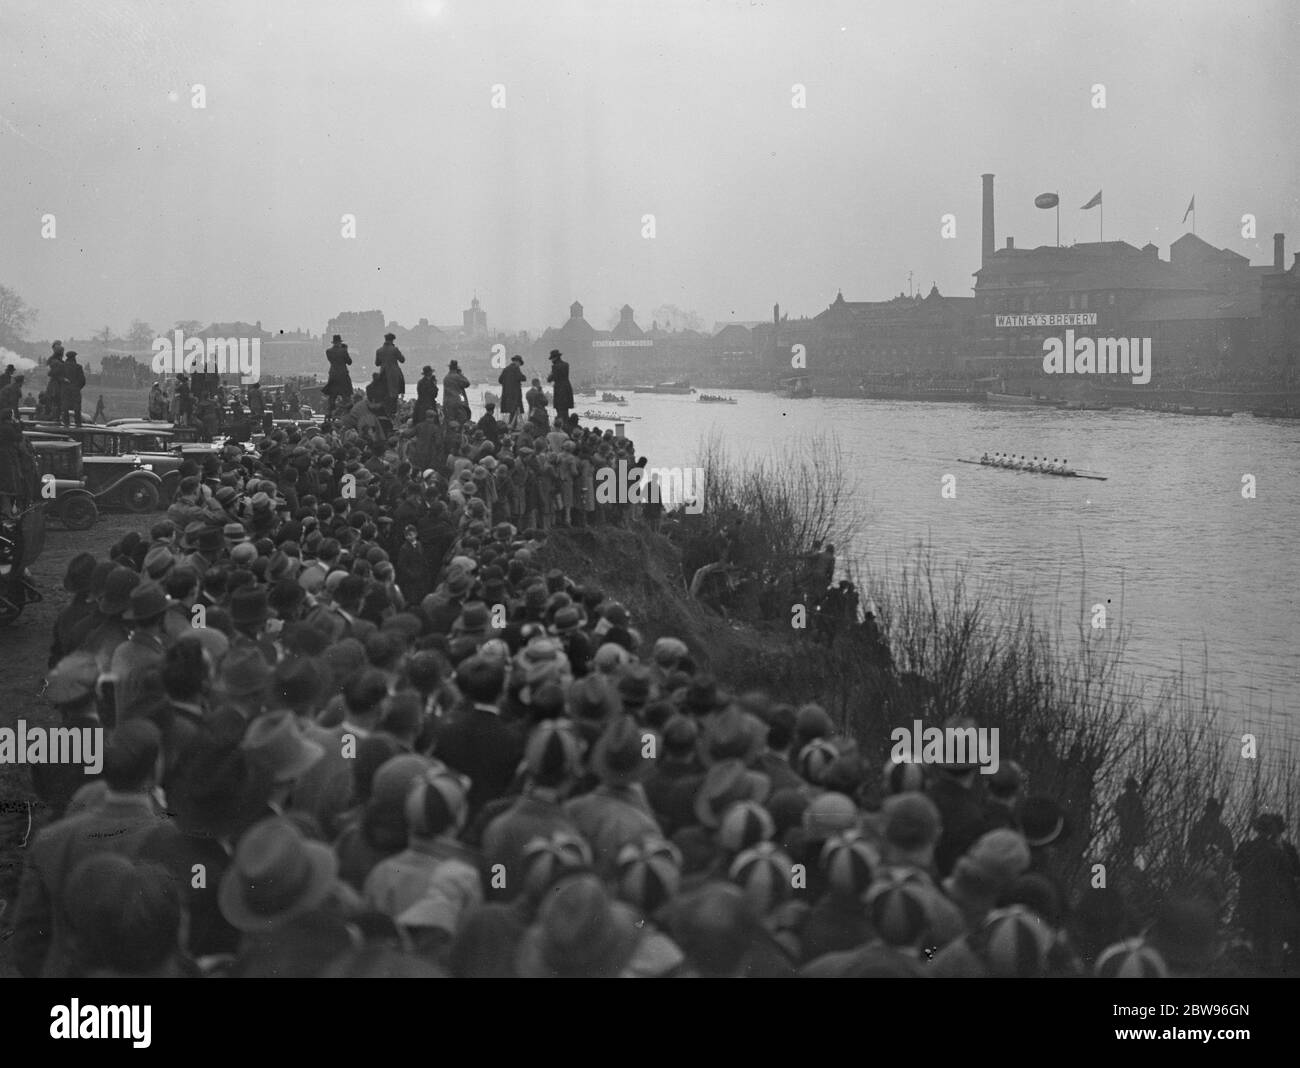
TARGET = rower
x,y
985,458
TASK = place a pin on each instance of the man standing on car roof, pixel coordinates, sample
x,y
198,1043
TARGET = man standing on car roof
x,y
74,381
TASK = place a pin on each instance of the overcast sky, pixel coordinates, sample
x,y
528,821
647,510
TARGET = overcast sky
x,y
614,110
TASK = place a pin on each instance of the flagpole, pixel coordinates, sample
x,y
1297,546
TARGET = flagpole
x,y
1058,220
1101,221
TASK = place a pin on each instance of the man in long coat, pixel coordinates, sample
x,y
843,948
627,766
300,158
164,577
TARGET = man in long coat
x,y
563,395
388,358
339,386
53,394
454,401
1268,903
512,390
70,387
426,394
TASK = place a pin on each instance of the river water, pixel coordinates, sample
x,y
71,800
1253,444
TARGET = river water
x,y
1198,577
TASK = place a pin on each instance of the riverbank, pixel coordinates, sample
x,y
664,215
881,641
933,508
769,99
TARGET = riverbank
x,y
1068,712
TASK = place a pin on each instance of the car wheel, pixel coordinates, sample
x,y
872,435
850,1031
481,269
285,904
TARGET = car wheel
x,y
78,513
141,496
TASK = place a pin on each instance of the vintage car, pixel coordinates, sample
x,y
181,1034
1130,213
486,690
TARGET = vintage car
x,y
29,415
62,483
182,433
151,444
121,480
149,439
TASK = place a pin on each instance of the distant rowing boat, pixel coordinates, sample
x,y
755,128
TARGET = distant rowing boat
x,y
1017,400
1183,409
609,417
1033,471
710,398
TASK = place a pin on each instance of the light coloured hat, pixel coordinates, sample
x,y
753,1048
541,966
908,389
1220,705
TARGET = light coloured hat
x,y
158,561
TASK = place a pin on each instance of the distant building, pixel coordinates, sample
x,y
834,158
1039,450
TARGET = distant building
x,y
423,336
1202,308
774,342
733,346
574,339
903,334
854,338
626,328
628,353
475,320
360,330
1280,310
236,329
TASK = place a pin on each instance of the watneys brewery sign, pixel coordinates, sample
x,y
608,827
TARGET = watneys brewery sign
x,y
1048,319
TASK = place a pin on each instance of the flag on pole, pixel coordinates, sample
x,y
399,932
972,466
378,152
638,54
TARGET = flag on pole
x,y
1093,202
1190,208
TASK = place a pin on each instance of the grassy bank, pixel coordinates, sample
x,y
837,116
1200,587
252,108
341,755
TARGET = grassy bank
x,y
1066,705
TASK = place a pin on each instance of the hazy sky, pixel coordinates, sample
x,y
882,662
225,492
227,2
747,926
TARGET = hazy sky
x,y
614,110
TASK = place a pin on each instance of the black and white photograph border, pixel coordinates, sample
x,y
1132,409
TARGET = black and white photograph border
x,y
649,489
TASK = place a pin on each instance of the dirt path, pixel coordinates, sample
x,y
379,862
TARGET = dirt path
x,y
24,650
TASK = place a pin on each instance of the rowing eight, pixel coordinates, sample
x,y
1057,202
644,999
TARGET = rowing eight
x,y
1032,471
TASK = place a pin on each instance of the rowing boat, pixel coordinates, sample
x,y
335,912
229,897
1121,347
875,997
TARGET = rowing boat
x,y
1031,471
609,417
1016,400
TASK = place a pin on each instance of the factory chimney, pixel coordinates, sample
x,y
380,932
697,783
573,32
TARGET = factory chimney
x,y
987,248
1279,252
